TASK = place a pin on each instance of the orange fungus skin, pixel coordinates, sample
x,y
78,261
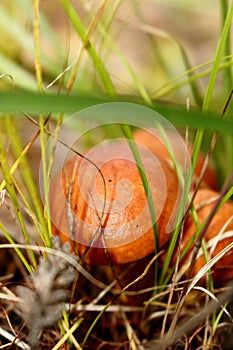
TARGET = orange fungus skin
x,y
103,211
214,236
153,141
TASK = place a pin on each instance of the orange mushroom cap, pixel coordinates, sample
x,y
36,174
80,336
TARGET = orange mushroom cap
x,y
110,218
152,139
218,235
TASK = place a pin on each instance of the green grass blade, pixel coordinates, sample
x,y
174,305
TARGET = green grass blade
x,y
16,145
212,80
9,181
128,134
172,85
82,32
137,82
18,33
36,32
18,251
218,56
68,334
45,158
227,50
178,116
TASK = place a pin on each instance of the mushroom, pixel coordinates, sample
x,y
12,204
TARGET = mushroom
x,y
218,235
98,203
153,140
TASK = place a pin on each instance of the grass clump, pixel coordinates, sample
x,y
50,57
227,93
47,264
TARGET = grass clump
x,y
57,75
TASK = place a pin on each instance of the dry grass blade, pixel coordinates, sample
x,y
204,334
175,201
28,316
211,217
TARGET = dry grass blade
x,y
112,308
208,266
193,322
193,283
11,338
135,344
67,335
